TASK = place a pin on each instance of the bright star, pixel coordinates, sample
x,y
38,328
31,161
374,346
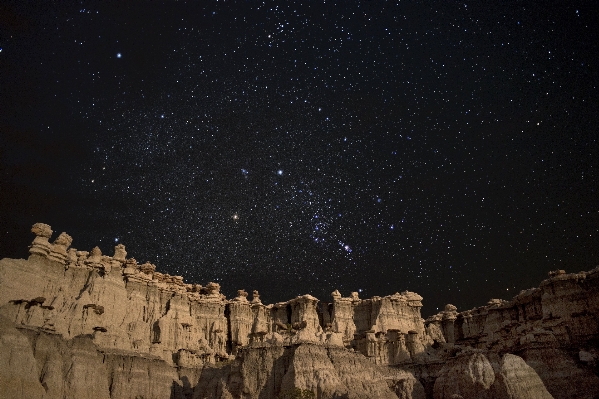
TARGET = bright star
x,y
118,55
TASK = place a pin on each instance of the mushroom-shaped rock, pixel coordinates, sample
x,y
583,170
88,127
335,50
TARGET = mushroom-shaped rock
x,y
450,308
241,296
40,244
336,295
256,297
148,268
42,230
196,288
95,256
59,248
213,289
64,240
119,253
450,312
412,296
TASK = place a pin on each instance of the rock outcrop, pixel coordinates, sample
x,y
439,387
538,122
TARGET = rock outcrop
x,y
79,324
553,328
473,375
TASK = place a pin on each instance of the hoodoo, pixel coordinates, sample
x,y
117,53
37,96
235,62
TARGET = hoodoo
x,y
79,324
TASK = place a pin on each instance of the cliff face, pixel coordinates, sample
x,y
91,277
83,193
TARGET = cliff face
x,y
553,328
77,324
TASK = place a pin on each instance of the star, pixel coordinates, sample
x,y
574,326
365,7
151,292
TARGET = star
x,y
334,144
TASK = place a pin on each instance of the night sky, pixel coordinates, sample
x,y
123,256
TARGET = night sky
x,y
447,148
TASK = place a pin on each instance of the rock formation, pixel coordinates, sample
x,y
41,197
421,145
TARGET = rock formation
x,y
79,324
553,328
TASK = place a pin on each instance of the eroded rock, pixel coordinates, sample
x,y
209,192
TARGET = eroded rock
x,y
92,324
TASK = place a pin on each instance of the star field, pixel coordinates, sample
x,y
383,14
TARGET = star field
x,y
446,148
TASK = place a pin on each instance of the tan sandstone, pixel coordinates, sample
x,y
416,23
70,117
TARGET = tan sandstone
x,y
82,324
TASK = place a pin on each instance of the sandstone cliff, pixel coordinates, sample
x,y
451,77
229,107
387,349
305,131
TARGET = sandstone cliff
x,y
79,324
553,328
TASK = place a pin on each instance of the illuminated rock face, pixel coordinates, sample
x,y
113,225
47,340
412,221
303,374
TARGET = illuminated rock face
x,y
549,327
131,307
87,325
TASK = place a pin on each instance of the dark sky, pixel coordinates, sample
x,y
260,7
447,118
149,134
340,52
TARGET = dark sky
x,y
447,148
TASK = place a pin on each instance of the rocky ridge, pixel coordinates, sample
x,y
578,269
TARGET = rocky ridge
x,y
78,324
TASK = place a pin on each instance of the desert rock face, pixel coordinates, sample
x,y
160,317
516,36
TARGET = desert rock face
x,y
553,328
473,375
79,324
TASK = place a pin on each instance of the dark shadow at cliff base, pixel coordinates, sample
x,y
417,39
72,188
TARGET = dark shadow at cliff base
x,y
274,380
211,383
428,384
227,380
184,391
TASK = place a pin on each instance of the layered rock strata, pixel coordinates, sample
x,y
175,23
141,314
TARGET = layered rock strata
x,y
77,324
554,328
